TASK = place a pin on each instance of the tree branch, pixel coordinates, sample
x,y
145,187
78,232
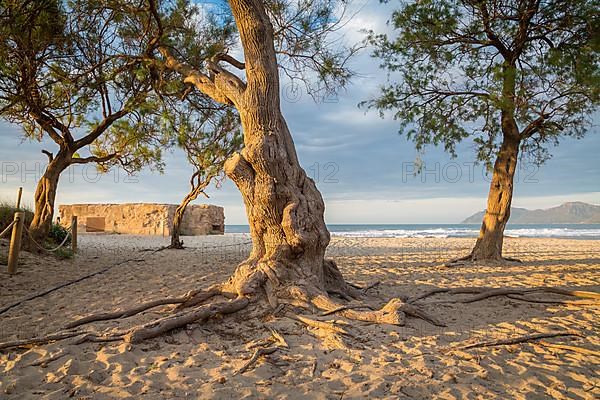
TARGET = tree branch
x,y
86,160
100,128
228,59
201,81
49,154
490,33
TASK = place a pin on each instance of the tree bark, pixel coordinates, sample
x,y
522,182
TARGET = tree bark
x,y
491,235
45,196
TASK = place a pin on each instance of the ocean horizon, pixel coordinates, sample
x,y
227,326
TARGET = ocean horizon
x,y
563,231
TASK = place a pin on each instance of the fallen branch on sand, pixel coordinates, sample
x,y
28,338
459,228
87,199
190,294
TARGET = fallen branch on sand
x,y
482,293
575,349
263,351
515,340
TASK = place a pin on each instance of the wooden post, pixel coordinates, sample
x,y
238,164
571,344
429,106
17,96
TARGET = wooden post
x,y
15,242
19,197
74,233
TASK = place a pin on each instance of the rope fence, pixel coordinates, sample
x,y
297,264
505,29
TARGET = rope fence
x,y
39,246
18,229
7,230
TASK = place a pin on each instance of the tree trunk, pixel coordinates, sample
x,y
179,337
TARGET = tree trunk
x,y
491,236
45,195
178,218
284,208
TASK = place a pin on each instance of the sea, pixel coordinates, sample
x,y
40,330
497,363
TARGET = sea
x,y
566,231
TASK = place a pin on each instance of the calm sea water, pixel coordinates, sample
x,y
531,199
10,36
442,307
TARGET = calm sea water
x,y
571,231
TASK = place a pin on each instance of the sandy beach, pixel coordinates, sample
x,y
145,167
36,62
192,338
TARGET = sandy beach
x,y
416,361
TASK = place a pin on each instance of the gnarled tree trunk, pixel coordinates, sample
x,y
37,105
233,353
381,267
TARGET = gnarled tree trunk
x,y
45,196
176,243
198,188
284,208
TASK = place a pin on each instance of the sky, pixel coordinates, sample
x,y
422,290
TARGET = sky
x,y
362,166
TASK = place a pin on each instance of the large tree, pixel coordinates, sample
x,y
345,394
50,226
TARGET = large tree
x,y
69,72
283,205
512,76
287,265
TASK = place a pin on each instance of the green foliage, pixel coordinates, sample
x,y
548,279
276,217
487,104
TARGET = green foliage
x,y
309,42
307,37
208,138
458,66
57,234
76,67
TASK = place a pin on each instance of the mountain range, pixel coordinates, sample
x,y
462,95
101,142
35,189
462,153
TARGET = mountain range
x,y
568,213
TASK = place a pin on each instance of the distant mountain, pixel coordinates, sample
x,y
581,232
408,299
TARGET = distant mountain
x,y
567,213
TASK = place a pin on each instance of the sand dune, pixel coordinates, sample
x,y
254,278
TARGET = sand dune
x,y
373,362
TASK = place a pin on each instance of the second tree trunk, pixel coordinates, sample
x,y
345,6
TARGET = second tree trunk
x,y
491,236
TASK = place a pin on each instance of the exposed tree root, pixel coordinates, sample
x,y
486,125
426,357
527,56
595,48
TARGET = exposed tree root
x,y
482,293
124,313
494,293
142,332
551,301
347,307
276,337
370,286
197,297
515,340
392,313
332,333
257,354
188,300
332,326
467,290
167,324
39,340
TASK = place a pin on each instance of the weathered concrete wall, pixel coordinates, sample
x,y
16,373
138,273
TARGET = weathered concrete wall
x,y
143,218
202,219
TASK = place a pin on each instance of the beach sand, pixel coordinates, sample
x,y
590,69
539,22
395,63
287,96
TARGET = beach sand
x,y
374,361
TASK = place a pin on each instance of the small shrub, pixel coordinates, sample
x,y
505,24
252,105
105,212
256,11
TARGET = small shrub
x,y
58,233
